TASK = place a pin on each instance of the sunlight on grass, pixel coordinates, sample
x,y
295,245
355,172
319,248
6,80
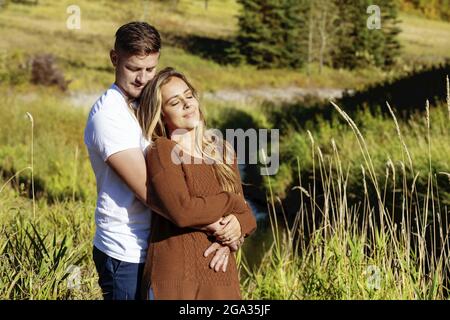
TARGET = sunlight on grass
x,y
367,250
373,190
424,40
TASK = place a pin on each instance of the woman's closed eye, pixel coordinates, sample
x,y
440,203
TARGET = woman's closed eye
x,y
174,103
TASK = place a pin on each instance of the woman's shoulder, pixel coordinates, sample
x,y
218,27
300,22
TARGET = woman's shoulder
x,y
163,143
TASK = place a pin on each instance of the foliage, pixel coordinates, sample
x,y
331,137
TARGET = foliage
x,y
45,72
287,33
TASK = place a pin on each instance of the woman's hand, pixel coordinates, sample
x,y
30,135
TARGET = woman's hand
x,y
221,256
231,230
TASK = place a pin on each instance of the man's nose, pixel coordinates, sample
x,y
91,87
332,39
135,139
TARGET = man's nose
x,y
141,77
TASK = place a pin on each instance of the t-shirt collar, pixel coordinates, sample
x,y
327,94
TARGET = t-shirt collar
x,y
132,103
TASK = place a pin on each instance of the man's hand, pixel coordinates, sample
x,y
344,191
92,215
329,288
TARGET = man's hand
x,y
221,256
213,227
231,230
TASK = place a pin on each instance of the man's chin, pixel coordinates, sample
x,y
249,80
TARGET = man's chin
x,y
134,93
139,91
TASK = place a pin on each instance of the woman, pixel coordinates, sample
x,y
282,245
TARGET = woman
x,y
196,195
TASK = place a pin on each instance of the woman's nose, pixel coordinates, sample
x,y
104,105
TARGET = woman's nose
x,y
186,105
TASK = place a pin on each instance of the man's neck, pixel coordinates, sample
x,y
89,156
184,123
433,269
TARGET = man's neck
x,y
127,98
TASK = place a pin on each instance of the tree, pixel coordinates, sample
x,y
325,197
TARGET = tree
x,y
288,33
350,33
294,28
322,31
391,30
360,46
270,32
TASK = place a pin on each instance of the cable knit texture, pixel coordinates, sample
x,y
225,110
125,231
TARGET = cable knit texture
x,y
184,196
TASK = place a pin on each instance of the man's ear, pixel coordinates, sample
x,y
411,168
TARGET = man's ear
x,y
114,57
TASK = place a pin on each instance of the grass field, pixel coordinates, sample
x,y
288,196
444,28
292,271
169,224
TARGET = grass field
x,y
362,185
424,41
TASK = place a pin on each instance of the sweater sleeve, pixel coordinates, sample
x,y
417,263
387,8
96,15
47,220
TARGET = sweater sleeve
x,y
169,194
246,217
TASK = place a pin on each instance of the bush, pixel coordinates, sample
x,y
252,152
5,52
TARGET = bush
x,y
45,72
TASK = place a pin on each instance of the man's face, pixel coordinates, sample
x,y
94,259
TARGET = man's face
x,y
133,71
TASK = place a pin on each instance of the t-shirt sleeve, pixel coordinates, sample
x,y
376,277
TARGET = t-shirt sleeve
x,y
110,133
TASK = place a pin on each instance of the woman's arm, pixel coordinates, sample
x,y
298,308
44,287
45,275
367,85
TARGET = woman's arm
x,y
169,195
245,221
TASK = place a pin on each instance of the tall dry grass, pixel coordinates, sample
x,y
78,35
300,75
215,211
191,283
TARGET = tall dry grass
x,y
369,250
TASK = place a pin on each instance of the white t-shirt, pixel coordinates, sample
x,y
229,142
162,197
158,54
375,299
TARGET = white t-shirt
x,y
122,221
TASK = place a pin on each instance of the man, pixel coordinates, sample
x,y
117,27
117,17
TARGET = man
x,y
116,151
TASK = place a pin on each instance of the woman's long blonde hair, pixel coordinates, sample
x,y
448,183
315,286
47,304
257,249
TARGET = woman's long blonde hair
x,y
149,115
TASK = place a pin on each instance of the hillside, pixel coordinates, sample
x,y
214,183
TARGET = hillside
x,y
190,32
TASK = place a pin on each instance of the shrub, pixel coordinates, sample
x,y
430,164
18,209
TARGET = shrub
x,y
45,72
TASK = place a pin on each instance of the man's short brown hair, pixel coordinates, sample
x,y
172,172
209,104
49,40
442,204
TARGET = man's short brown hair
x,y
137,38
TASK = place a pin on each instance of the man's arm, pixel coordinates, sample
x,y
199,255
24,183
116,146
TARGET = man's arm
x,y
129,165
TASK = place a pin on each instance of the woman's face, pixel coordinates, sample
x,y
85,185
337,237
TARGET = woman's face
x,y
179,105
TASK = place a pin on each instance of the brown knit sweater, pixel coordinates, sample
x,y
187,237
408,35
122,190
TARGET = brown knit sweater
x,y
189,195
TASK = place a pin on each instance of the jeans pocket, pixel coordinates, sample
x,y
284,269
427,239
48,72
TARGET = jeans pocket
x,y
100,260
115,264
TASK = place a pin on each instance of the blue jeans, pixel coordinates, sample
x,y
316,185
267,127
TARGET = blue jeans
x,y
118,279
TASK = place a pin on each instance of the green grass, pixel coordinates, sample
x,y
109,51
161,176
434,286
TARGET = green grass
x,y
191,17
337,261
40,255
336,249
58,132
424,41
381,137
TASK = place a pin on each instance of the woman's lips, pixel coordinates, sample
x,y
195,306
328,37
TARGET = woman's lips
x,y
189,115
